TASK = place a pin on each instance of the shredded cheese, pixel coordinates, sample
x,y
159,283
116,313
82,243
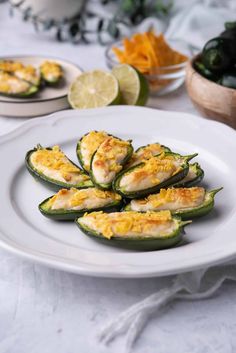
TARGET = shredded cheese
x,y
10,66
148,52
145,153
56,160
125,223
89,145
51,69
82,199
153,166
108,158
173,198
10,84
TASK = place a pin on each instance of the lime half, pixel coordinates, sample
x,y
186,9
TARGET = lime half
x,y
94,89
133,85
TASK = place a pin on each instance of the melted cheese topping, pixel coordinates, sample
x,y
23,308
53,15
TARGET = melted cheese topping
x,y
51,70
54,164
145,153
75,199
10,66
190,176
151,173
130,224
108,159
89,144
12,85
170,199
28,73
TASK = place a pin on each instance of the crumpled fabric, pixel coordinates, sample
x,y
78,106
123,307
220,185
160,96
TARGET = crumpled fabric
x,y
195,23
195,285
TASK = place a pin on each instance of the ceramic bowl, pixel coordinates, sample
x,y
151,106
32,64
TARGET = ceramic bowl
x,y
211,99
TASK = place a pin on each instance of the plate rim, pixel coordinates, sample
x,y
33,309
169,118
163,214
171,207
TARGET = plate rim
x,y
122,271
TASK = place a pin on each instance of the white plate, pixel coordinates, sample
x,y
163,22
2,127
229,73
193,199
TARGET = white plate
x,y
24,231
48,100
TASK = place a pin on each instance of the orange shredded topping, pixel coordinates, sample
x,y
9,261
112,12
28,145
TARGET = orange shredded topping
x,y
187,196
147,52
124,223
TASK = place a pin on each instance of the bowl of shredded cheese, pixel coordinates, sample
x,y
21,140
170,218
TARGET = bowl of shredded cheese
x,y
161,61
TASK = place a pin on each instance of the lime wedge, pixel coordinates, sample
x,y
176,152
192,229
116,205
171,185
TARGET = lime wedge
x,y
94,89
133,85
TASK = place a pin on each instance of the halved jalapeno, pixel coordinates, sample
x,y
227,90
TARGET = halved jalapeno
x,y
152,175
141,231
187,203
87,145
108,160
73,203
55,169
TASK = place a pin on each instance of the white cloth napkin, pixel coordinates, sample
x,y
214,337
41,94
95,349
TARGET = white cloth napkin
x,y
195,23
196,285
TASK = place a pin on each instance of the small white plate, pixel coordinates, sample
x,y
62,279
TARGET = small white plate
x,y
24,231
49,99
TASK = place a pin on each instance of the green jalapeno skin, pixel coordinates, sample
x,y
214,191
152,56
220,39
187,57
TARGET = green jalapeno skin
x,y
140,243
199,172
190,213
27,94
50,182
218,54
170,181
71,215
202,210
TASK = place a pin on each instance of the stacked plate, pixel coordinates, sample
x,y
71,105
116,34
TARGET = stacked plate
x,y
47,100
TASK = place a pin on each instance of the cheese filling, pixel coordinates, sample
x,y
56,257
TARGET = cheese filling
x,y
130,224
190,176
12,85
10,66
51,70
55,165
108,159
145,153
153,172
89,144
75,199
170,199
28,73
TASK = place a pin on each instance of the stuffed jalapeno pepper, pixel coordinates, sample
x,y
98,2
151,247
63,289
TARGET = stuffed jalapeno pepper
x,y
51,72
187,203
141,231
152,175
27,73
13,86
73,203
55,169
108,160
87,145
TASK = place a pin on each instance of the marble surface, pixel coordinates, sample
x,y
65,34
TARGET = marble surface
x,y
44,310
